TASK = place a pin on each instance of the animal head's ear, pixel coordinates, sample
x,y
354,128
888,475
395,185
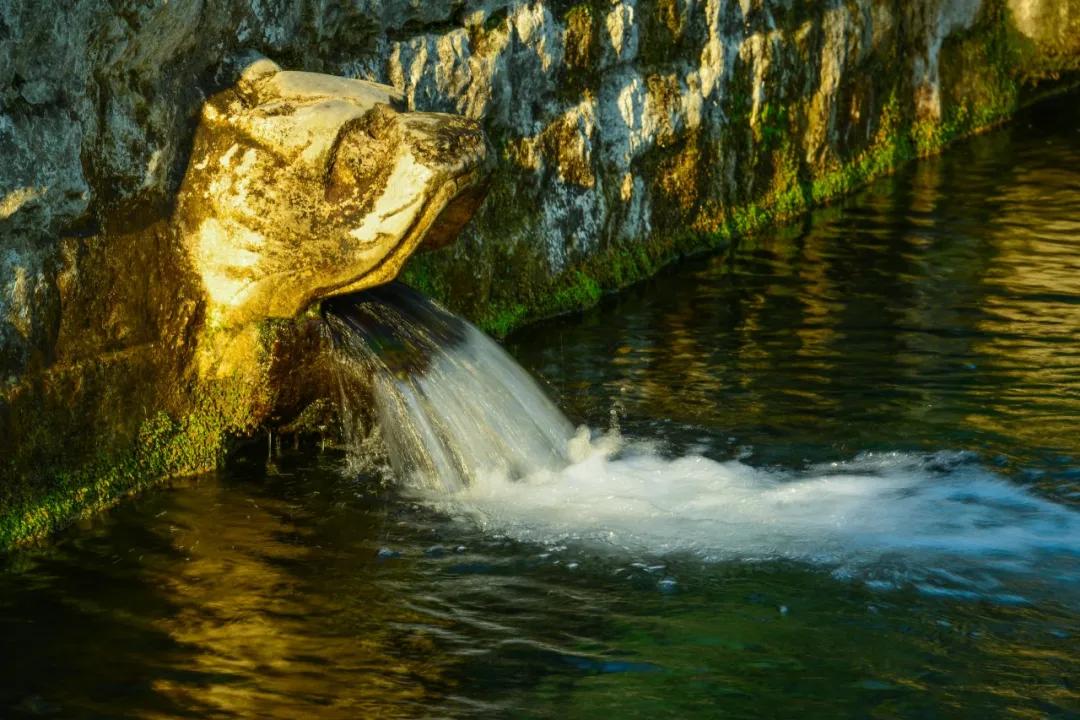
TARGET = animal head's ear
x,y
245,72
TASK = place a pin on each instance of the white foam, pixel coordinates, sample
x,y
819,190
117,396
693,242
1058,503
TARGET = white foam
x,y
891,507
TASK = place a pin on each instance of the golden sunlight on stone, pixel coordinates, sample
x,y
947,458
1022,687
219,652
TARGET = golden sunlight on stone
x,y
304,185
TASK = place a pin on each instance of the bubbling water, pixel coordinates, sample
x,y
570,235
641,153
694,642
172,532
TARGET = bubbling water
x,y
473,436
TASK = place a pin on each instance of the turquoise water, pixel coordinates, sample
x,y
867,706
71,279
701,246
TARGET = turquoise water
x,y
847,485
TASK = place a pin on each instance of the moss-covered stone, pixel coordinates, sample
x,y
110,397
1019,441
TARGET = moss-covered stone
x,y
177,327
627,134
164,447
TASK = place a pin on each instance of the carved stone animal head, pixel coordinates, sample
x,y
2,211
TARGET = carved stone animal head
x,y
302,186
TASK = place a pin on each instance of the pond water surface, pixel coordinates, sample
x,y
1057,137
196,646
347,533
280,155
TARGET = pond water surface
x,y
910,356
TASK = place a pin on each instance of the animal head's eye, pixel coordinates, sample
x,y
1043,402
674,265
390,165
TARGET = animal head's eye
x,y
276,109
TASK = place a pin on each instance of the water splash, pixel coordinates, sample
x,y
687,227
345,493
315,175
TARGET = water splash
x,y
851,514
474,437
453,406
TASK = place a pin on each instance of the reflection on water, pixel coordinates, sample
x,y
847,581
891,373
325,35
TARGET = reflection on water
x,y
937,311
290,593
214,600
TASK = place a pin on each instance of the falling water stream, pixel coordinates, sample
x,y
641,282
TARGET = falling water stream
x,y
831,472
469,433
452,407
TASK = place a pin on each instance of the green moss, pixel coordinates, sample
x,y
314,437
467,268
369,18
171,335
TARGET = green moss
x,y
191,439
774,126
501,318
166,447
422,272
574,290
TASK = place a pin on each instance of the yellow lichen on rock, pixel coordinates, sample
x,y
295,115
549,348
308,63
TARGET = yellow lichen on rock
x,y
1052,27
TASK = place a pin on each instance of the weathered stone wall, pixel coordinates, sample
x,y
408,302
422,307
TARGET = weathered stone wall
x,y
628,132
632,132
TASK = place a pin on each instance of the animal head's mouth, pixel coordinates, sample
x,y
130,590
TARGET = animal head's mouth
x,y
450,164
438,222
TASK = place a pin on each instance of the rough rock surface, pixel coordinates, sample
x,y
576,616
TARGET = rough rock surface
x,y
631,132
626,132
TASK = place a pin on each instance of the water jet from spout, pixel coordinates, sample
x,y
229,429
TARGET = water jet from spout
x,y
423,363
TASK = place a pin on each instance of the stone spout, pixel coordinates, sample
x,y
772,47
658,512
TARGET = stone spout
x,y
303,186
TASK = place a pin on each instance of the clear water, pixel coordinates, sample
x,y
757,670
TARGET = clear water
x,y
846,484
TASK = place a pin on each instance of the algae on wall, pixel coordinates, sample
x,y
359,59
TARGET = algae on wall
x,y
628,132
